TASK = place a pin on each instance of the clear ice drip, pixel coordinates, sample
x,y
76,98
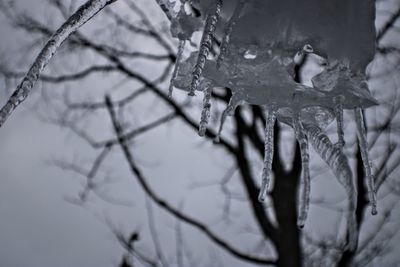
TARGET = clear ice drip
x,y
268,151
181,48
205,46
235,101
205,113
304,198
339,119
228,31
337,161
363,144
80,17
256,63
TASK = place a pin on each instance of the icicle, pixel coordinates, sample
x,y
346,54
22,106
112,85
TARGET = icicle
x,y
205,113
268,151
205,46
228,31
229,111
352,232
363,144
305,182
80,17
337,161
179,55
339,119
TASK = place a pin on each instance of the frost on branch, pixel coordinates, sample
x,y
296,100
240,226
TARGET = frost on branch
x,y
263,44
80,17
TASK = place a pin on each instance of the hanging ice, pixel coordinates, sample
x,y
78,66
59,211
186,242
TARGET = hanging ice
x,y
205,46
339,119
235,101
228,31
205,113
363,145
270,117
257,63
305,181
337,161
263,45
179,55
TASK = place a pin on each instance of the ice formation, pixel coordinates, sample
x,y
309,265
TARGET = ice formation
x,y
269,151
263,44
179,55
305,180
205,45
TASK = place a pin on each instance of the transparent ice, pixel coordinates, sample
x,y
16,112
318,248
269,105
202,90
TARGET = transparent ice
x,y
228,31
268,151
263,45
339,119
363,144
305,180
179,55
205,113
205,45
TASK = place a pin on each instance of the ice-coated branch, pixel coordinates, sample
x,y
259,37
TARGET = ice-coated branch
x,y
80,17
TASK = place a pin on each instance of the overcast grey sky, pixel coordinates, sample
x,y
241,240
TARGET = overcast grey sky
x,y
37,226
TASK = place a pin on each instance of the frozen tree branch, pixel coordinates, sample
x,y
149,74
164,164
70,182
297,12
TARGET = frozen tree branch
x,y
80,17
66,77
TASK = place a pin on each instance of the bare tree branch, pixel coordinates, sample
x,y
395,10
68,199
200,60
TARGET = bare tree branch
x,y
201,227
80,17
